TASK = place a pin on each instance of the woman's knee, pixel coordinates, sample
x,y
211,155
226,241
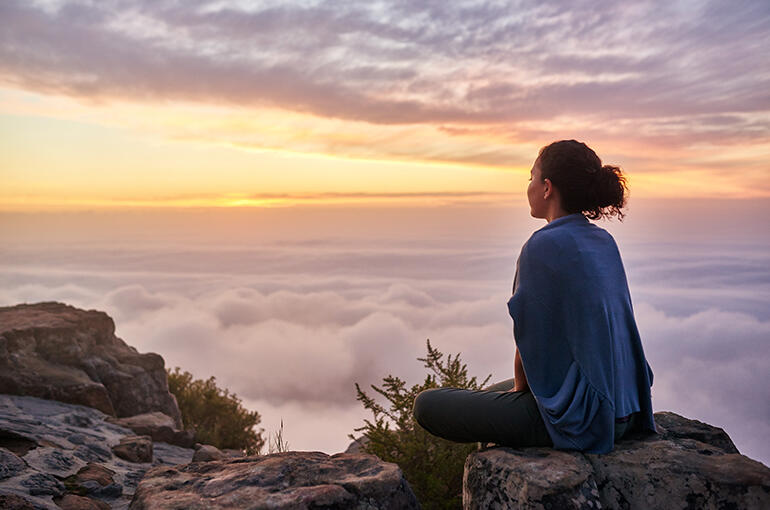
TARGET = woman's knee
x,y
424,403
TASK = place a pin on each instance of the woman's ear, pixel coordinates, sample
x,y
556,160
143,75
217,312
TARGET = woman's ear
x,y
547,188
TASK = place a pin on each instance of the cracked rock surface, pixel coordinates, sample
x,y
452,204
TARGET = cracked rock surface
x,y
55,455
288,480
688,465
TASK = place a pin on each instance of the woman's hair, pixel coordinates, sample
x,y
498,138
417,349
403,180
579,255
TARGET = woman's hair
x,y
583,183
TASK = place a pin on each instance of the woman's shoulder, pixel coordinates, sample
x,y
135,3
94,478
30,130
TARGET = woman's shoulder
x,y
559,232
570,239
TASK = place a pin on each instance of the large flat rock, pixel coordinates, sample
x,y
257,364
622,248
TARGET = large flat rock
x,y
690,464
289,480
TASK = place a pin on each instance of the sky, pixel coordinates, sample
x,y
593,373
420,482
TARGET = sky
x,y
171,103
294,196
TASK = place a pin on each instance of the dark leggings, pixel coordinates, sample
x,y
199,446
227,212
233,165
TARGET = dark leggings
x,y
493,415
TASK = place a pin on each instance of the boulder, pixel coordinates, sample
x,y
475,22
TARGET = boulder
x,y
159,426
55,455
134,448
689,464
56,351
288,480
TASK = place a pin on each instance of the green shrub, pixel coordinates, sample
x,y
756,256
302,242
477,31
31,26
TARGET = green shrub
x,y
216,415
432,466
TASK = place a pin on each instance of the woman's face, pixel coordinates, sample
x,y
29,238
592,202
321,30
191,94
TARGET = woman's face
x,y
536,191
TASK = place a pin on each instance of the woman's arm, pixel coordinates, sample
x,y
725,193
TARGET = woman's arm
x,y
520,379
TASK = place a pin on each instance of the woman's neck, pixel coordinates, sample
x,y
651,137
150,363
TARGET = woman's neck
x,y
555,212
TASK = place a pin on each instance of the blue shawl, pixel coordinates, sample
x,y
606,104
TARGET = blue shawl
x,y
575,330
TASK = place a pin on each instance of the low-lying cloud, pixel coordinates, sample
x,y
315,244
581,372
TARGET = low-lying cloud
x,y
292,326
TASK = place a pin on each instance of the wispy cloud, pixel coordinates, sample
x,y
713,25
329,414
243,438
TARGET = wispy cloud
x,y
409,63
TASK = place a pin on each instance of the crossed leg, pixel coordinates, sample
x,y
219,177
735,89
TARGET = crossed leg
x,y
493,415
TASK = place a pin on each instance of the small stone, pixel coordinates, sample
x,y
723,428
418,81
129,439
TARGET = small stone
x,y
159,426
134,449
74,502
208,453
96,472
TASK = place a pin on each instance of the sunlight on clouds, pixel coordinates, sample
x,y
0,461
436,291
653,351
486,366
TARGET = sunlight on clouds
x,y
238,101
290,326
252,154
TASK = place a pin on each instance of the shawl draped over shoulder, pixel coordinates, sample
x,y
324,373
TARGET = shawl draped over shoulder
x,y
575,330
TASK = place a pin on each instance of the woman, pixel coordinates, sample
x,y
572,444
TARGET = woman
x,y
581,380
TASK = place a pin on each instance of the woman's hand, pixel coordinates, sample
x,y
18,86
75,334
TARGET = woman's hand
x,y
519,377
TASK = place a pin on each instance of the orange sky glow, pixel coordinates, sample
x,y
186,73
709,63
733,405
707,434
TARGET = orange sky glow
x,y
119,114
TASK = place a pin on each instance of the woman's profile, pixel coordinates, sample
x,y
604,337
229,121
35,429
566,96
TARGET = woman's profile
x,y
581,379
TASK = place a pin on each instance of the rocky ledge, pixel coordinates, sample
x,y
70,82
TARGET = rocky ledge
x,y
55,455
289,480
58,352
688,465
106,417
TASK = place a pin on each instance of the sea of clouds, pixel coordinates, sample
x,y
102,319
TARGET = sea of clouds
x,y
290,308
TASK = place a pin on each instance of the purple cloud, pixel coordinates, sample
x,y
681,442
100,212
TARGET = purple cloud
x,y
402,63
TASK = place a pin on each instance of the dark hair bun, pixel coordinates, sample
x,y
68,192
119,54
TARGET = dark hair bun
x,y
611,190
585,185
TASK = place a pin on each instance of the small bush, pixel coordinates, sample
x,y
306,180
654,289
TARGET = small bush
x,y
216,415
432,466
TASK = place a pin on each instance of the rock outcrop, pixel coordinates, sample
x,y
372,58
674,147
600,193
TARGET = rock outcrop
x,y
56,351
289,480
689,464
55,455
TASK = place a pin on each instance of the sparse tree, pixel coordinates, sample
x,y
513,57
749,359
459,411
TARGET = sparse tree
x,y
214,414
432,466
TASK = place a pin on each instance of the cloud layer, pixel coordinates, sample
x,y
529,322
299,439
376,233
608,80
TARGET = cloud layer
x,y
290,326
